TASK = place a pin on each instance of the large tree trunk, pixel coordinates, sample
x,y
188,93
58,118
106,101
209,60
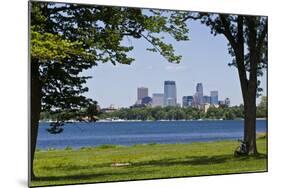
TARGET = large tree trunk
x,y
250,123
249,92
248,31
248,86
35,111
250,111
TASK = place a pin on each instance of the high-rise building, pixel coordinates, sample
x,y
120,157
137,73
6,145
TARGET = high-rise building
x,y
199,91
227,102
214,97
199,88
206,99
170,93
142,92
198,97
187,101
170,102
157,99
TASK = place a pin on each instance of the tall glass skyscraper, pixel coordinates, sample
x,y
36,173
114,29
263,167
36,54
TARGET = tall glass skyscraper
x,y
199,94
214,97
170,93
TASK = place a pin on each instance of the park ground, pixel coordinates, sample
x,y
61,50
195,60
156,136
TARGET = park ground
x,y
109,163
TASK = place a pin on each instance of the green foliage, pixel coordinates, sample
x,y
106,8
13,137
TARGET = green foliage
x,y
175,113
262,107
67,39
164,113
50,47
93,111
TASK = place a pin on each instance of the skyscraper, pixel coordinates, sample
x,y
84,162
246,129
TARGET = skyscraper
x,y
187,101
142,92
199,94
206,99
157,99
170,93
214,97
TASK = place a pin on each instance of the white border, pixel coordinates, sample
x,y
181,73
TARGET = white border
x,y
13,95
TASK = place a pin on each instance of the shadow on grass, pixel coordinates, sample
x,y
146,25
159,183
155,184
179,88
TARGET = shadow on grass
x,y
258,156
70,167
198,160
188,160
87,176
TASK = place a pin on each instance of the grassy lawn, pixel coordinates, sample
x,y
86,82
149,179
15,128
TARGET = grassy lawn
x,y
101,164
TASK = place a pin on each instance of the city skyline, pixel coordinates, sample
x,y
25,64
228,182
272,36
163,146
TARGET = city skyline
x,y
158,99
204,59
169,97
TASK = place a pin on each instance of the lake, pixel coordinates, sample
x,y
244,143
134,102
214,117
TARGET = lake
x,y
78,135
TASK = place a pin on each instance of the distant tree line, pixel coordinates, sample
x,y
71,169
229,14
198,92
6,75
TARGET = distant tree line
x,y
166,113
175,113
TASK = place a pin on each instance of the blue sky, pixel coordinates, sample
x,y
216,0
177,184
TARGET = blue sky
x,y
205,59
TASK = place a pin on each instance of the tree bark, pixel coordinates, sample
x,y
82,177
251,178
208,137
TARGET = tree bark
x,y
250,136
34,111
248,87
250,122
249,98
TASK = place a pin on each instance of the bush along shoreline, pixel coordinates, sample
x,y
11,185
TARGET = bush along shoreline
x,y
166,113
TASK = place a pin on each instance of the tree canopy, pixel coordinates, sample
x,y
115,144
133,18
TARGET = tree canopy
x,y
67,39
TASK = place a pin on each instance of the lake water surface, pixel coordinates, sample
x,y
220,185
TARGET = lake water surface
x,y
78,135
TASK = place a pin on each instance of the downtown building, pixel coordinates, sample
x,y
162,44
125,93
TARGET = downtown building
x,y
198,98
214,97
206,99
157,99
227,102
142,92
170,93
187,101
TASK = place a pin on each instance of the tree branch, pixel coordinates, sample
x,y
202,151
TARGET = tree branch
x,y
226,31
240,57
262,36
189,16
131,33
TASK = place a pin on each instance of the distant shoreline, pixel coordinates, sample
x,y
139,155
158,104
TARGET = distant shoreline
x,y
123,120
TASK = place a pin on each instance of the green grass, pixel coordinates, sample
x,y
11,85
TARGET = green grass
x,y
87,165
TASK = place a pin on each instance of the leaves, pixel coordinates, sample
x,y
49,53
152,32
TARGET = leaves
x,y
50,47
67,39
247,37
